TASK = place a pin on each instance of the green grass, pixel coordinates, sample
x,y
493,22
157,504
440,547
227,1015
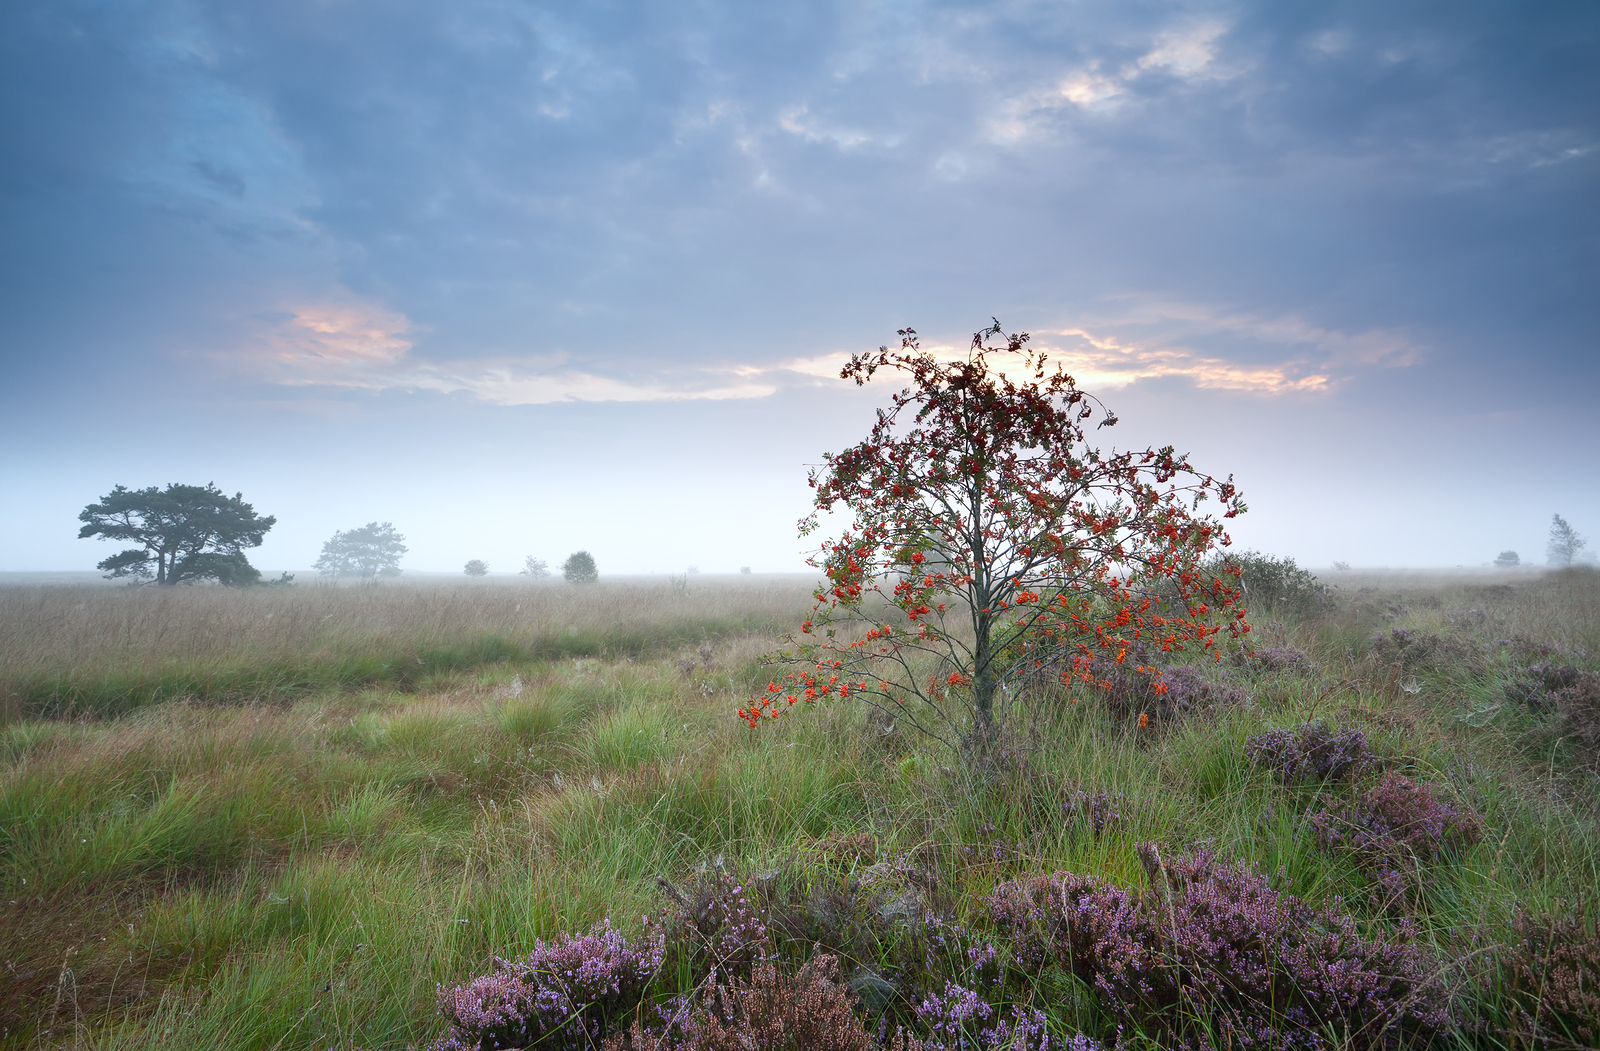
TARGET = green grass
x,y
303,873
96,652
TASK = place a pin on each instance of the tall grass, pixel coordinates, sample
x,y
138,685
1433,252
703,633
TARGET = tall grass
x,y
104,651
302,874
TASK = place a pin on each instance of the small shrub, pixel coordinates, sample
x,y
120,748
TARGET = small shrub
x,y
1209,952
1393,827
1580,719
959,1019
809,1011
1528,648
1426,650
1566,692
1538,686
1311,753
1280,584
1135,695
565,995
1275,659
1552,977
1094,812
719,927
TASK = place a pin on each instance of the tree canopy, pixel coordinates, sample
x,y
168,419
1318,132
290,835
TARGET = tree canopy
x,y
184,533
367,552
579,568
1564,544
994,547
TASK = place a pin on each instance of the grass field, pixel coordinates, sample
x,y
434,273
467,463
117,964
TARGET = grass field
x,y
282,818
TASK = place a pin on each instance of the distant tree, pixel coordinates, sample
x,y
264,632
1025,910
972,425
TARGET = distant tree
x,y
476,568
745,570
1565,544
367,552
1507,560
185,533
579,568
1341,567
537,568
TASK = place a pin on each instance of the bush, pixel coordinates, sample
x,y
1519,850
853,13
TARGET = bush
x,y
1094,811
1133,693
1209,951
1552,978
1275,659
1279,583
579,568
1539,687
959,1019
1393,827
1426,650
1311,753
718,927
1211,955
1567,692
809,1011
566,995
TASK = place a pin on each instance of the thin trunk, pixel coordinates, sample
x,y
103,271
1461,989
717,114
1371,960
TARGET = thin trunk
x,y
983,684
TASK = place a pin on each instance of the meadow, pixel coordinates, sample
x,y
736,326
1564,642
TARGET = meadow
x,y
288,818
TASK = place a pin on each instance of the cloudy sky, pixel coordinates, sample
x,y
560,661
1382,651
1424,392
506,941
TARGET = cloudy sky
x,y
528,277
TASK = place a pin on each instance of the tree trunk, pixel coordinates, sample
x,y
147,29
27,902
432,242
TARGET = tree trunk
x,y
983,685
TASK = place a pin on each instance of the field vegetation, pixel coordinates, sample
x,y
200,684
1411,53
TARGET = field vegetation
x,y
493,816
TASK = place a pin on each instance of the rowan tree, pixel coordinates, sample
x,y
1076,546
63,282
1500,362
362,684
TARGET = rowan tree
x,y
993,545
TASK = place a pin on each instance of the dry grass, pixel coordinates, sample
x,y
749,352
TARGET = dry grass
x,y
66,650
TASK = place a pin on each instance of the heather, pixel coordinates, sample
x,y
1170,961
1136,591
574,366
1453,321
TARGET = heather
x,y
1335,836
1209,952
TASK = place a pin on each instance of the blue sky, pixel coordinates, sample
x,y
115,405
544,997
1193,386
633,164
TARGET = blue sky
x,y
523,278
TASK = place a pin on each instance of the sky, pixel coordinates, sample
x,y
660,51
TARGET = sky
x,y
524,278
